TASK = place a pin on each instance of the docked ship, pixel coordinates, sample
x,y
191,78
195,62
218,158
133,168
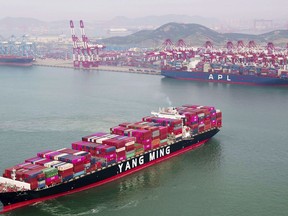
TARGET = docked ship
x,y
198,69
105,156
241,64
14,60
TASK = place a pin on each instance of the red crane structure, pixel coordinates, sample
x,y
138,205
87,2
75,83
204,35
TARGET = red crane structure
x,y
229,46
208,45
85,54
181,45
270,48
252,45
167,45
76,47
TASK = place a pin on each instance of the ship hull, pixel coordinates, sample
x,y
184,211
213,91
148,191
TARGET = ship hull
x,y
225,78
15,200
16,61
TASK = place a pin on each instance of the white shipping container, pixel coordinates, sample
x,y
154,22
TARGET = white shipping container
x,y
130,143
94,138
39,160
61,149
120,149
79,153
99,141
61,155
49,164
44,155
91,139
59,164
201,115
113,136
65,167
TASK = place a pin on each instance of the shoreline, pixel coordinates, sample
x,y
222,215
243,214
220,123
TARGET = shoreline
x,y
69,64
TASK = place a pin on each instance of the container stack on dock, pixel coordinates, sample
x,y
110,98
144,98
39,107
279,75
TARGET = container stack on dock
x,y
127,140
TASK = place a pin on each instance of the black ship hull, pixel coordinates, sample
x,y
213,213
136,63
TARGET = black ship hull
x,y
14,200
20,61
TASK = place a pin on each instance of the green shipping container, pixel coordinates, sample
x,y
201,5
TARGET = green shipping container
x,y
49,172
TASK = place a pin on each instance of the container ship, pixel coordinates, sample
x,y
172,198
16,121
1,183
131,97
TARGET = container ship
x,y
241,64
13,60
247,74
105,156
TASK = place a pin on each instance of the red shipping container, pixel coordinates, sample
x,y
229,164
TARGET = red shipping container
x,y
30,173
9,170
42,162
125,124
78,168
163,136
142,134
32,166
163,130
201,129
178,131
99,165
130,148
110,155
146,142
207,126
68,151
109,159
33,185
219,114
219,123
65,173
31,160
30,180
121,154
20,173
118,130
52,180
41,176
121,158
42,154
114,142
147,147
95,135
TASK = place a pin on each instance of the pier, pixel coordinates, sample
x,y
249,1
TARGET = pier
x,y
69,64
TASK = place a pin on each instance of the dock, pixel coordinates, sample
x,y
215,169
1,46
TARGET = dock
x,y
69,64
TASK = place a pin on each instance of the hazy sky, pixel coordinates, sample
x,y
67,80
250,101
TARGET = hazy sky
x,y
47,10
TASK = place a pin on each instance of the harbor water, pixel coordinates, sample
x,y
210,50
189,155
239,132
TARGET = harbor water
x,y
241,171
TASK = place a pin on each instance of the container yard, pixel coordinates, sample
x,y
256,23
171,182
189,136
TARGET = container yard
x,y
104,156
